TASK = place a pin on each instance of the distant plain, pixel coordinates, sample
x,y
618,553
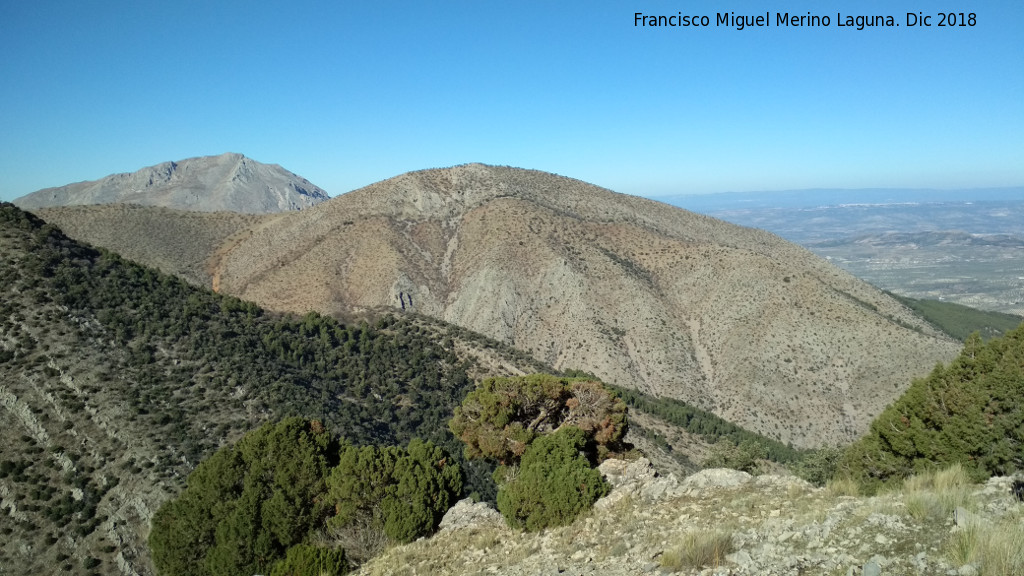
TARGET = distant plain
x,y
965,246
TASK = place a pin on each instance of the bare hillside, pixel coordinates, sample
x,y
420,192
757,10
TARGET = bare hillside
x,y
647,296
228,182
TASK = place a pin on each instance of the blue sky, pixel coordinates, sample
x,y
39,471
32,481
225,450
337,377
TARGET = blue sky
x,y
347,93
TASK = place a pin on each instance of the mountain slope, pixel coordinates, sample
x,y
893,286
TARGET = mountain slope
x,y
733,320
115,380
228,182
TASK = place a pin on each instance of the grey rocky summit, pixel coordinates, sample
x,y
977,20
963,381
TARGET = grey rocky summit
x,y
225,183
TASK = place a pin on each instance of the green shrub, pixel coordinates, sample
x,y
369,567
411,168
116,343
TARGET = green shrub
x,y
818,466
306,560
404,491
970,412
502,416
554,483
745,456
246,504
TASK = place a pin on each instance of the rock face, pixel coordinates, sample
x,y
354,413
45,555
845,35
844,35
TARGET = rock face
x,y
734,320
229,182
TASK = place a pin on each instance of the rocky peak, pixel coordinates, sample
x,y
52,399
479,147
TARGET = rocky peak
x,y
227,182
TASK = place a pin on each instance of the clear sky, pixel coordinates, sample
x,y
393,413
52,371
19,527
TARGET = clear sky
x,y
346,93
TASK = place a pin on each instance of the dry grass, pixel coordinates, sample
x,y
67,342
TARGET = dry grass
x,y
935,495
997,550
698,549
843,487
939,480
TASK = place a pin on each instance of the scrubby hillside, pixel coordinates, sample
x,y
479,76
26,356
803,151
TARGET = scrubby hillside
x,y
733,320
115,380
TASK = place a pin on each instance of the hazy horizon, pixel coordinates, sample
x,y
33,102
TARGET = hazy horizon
x,y
759,197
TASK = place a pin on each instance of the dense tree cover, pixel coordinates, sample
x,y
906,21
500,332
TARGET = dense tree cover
x,y
553,484
969,412
258,506
709,427
502,416
961,321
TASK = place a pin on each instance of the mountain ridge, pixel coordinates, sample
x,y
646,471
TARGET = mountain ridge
x,y
227,182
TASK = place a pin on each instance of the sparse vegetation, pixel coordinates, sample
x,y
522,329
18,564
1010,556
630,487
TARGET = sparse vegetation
x,y
997,550
698,549
935,495
843,486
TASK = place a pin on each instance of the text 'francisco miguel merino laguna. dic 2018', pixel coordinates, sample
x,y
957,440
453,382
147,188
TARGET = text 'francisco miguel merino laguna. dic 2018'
x,y
860,22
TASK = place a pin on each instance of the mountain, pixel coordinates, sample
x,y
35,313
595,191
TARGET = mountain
x,y
733,320
115,380
229,182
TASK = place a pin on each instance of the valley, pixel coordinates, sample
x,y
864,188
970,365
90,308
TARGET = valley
x,y
957,246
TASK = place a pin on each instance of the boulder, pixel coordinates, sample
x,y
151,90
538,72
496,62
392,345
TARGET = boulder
x,y
467,514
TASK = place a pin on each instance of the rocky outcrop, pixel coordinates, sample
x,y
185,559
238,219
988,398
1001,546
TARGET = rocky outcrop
x,y
467,514
777,525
